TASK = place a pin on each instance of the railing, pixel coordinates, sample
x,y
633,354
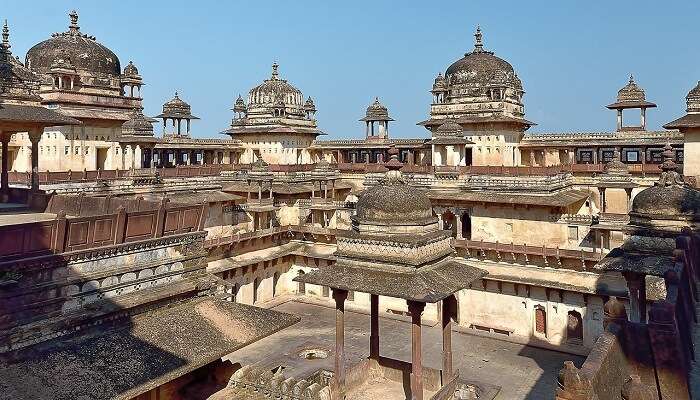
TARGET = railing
x,y
260,202
65,234
185,171
542,251
480,248
577,219
51,177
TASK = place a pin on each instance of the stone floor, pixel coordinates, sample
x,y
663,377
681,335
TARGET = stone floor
x,y
523,372
13,218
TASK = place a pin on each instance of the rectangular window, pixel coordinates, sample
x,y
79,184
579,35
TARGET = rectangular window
x,y
66,150
77,150
573,233
632,156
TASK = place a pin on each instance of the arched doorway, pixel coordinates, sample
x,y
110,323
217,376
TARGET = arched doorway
x,y
301,286
466,226
275,280
574,326
449,222
540,320
256,284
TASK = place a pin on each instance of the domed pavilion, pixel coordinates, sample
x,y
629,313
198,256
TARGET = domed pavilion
x,y
395,249
83,77
276,122
483,94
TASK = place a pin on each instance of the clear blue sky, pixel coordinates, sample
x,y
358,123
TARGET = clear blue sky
x,y
572,56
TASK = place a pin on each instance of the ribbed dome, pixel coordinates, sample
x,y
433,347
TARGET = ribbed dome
x,y
482,68
84,52
631,92
377,112
393,202
449,128
131,70
239,105
177,108
275,91
693,99
440,84
137,125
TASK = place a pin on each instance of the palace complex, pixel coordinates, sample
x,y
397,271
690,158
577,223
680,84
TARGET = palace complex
x,y
481,261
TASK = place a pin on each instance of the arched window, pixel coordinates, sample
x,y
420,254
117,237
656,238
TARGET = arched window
x,y
301,286
275,279
256,283
574,326
540,320
233,291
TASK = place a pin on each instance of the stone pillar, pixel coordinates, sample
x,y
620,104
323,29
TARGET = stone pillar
x,y
458,221
448,309
416,309
133,156
441,222
636,285
4,177
619,119
374,327
34,137
601,191
338,386
122,150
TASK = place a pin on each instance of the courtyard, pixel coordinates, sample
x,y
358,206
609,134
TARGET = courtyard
x,y
522,372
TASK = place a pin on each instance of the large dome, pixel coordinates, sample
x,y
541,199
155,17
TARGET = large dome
x,y
481,67
83,51
275,92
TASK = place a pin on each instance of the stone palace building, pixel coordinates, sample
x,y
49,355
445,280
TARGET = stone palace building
x,y
142,263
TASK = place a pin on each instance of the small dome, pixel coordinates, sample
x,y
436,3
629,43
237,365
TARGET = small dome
x,y
449,128
630,92
239,105
393,202
137,125
615,166
309,105
177,108
481,68
84,51
377,112
440,84
131,70
669,199
693,99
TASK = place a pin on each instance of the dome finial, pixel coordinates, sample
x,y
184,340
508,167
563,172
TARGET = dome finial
x,y
275,73
5,36
631,78
478,44
74,21
176,95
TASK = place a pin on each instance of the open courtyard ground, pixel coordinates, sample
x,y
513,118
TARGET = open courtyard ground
x,y
522,372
